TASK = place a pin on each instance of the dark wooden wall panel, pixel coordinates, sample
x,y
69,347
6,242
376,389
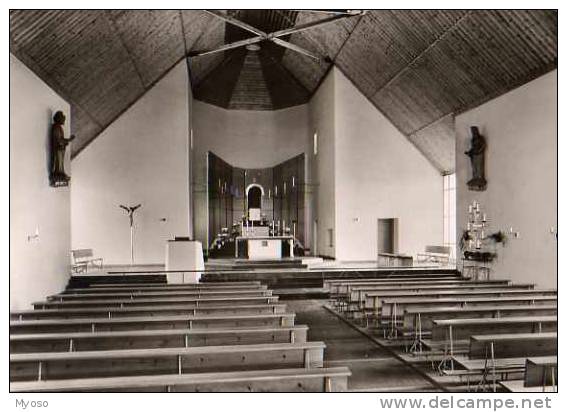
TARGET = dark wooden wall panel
x,y
416,66
153,38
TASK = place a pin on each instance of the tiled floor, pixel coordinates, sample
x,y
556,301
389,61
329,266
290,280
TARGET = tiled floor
x,y
373,368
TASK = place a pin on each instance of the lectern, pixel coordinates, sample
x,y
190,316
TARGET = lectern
x,y
184,260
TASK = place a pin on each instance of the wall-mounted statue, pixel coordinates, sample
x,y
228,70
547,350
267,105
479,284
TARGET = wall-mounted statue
x,y
476,154
57,175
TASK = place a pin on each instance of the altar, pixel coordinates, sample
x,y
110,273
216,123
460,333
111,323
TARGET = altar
x,y
263,247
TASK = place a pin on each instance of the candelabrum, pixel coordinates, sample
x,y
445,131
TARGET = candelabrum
x,y
475,241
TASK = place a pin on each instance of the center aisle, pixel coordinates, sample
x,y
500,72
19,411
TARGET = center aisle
x,y
373,368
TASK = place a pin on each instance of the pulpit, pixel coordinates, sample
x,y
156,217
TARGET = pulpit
x,y
184,260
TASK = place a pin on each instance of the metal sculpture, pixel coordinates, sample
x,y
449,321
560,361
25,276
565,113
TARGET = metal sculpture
x,y
130,210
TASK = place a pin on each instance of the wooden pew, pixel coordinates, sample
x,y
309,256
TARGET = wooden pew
x,y
160,338
389,306
454,334
339,285
374,301
489,348
137,285
341,289
513,345
463,329
358,294
164,288
146,310
342,294
161,361
414,318
77,297
120,303
478,370
149,322
540,375
541,371
276,380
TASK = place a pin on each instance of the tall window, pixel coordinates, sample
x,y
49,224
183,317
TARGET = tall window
x,y
449,213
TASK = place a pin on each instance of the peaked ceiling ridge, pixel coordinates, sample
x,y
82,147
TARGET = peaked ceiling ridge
x,y
416,66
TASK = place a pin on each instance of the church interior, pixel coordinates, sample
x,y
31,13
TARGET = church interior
x,y
283,200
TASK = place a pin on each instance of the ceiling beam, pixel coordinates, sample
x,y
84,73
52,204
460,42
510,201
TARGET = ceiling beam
x,y
228,46
275,36
297,49
312,24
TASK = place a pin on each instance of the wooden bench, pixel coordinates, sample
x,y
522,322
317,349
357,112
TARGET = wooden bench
x,y
423,317
513,345
82,259
419,323
397,304
143,285
449,329
335,285
480,370
358,294
160,338
147,310
540,376
347,293
76,365
120,303
165,288
540,373
374,299
152,295
277,380
149,322
344,289
517,386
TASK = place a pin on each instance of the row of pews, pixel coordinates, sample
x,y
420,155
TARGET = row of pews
x,y
222,336
467,335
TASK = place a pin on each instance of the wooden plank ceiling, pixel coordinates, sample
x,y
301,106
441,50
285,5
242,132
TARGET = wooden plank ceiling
x,y
418,67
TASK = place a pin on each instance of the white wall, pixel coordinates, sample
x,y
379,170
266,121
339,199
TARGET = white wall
x,y
521,169
322,122
141,158
380,174
245,139
39,267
